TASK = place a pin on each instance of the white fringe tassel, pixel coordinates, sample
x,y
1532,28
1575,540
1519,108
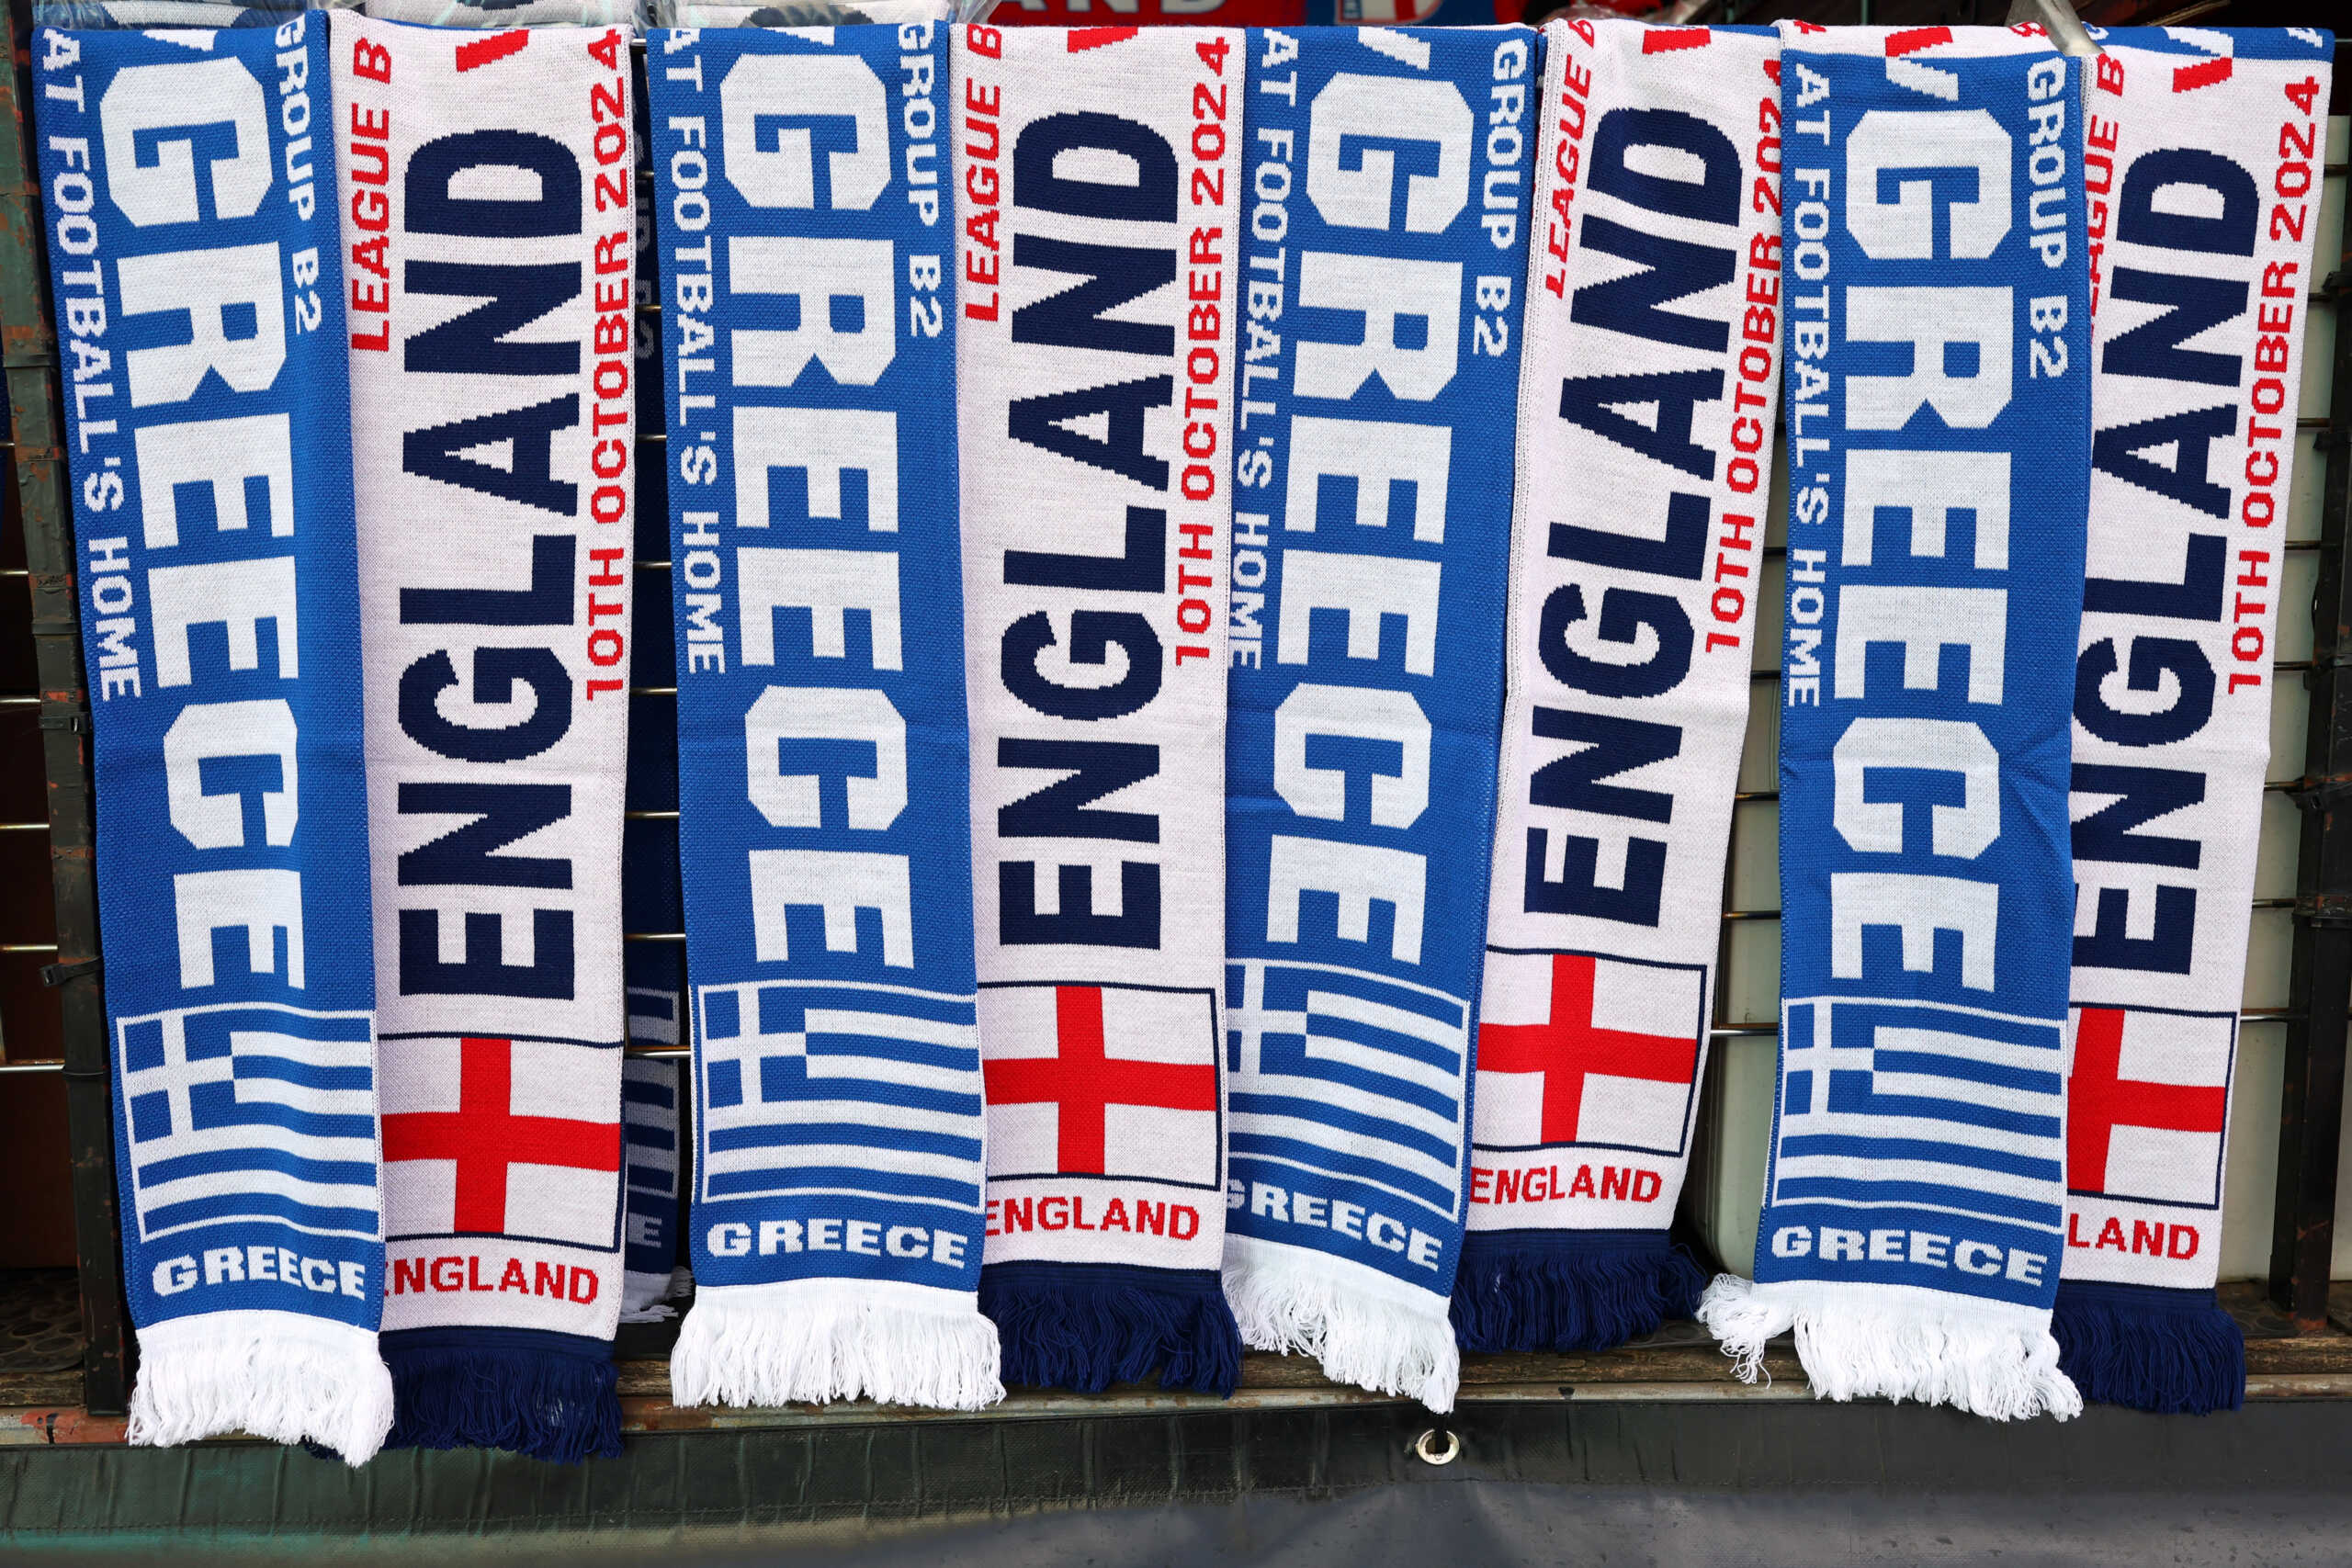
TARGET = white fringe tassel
x,y
271,1374
1855,1346
1283,1302
814,1342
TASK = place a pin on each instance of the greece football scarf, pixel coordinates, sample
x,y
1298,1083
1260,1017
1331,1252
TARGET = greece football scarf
x,y
824,788
1387,216
1937,412
486,176
1654,284
2201,166
207,430
1097,183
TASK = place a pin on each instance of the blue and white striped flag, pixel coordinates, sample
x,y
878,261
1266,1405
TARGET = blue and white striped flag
x,y
1939,416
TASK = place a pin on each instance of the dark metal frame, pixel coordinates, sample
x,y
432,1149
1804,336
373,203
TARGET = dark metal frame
x,y
2310,1108
28,353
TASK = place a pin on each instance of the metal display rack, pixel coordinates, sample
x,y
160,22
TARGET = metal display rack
x,y
2319,999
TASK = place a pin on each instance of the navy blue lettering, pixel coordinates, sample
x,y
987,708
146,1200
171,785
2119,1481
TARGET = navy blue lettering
x,y
2153,657
1077,316
2142,794
2194,172
1092,634
1625,613
468,856
1594,401
1043,421
1019,924
1664,270
1682,553
1065,808
1141,568
435,209
432,453
1151,199
474,343
496,670
547,603
482,972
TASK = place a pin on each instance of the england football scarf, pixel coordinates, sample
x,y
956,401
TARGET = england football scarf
x,y
1387,216
1938,411
649,1126
821,721
1654,282
487,179
2201,171
206,428
1097,185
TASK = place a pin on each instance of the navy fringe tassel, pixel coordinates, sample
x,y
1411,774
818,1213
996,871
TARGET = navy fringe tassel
x,y
1569,1289
2175,1352
502,1389
1087,1327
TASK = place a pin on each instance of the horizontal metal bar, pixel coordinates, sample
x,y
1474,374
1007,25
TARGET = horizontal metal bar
x,y
19,701
650,816
2272,786
653,936
1775,913
27,947
652,566
653,691
1760,1031
24,827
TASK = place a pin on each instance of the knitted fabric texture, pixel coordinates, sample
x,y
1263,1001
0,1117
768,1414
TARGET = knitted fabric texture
x,y
649,1168
1938,411
486,176
1653,279
821,714
1390,173
1096,180
2197,342
189,212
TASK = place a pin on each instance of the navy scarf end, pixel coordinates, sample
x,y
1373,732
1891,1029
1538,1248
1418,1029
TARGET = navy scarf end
x,y
1084,1327
1594,1293
2173,1352
541,1402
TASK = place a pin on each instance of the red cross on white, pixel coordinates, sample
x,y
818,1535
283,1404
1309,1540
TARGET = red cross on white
x,y
486,1142
1097,1069
1569,1048
2100,1100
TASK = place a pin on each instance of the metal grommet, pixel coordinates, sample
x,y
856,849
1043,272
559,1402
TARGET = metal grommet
x,y
1439,1445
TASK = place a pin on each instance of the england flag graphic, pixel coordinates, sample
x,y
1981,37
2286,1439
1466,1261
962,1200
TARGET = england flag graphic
x,y
1578,1049
1101,1080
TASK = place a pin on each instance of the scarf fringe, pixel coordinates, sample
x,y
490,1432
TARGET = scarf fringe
x,y
754,1353
1285,1303
2153,1354
1857,1349
1590,1299
543,1403
1061,1330
266,1382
